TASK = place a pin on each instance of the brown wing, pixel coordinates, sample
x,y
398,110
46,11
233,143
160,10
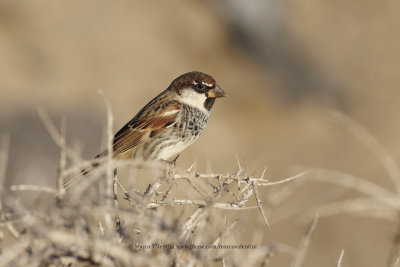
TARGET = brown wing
x,y
148,123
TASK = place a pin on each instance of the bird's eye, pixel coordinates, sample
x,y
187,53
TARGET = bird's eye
x,y
200,86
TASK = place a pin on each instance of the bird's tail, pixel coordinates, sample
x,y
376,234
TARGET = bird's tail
x,y
84,172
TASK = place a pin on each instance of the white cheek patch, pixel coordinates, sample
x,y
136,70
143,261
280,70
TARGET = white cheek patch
x,y
194,99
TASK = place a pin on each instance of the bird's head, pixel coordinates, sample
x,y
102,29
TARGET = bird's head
x,y
197,89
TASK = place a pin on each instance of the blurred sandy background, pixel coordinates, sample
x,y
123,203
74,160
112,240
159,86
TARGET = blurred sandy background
x,y
283,66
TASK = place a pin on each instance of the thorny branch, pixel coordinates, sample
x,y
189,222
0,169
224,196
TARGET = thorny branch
x,y
74,230
80,229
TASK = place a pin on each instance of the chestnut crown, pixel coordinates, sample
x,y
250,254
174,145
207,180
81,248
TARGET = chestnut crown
x,y
196,80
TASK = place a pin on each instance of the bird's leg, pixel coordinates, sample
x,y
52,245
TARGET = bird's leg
x,y
175,160
171,163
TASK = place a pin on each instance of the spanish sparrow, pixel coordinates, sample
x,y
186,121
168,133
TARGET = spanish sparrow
x,y
170,122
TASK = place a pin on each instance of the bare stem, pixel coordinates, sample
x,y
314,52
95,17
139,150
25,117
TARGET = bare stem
x,y
62,162
110,137
340,259
260,207
305,242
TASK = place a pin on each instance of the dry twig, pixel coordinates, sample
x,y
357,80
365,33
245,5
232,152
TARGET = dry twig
x,y
340,259
259,204
110,137
305,242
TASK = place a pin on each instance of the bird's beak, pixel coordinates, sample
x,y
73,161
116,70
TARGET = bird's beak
x,y
216,92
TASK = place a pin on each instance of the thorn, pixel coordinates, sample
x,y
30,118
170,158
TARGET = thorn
x,y
191,167
240,171
238,162
259,204
208,164
262,175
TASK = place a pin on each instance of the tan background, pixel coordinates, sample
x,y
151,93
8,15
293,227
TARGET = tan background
x,y
55,54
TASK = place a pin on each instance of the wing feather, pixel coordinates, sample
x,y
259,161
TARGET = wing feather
x,y
147,124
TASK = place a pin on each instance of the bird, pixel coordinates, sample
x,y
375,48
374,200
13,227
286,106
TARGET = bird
x,y
169,123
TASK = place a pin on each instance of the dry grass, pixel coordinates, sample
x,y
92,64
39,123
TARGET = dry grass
x,y
101,221
89,223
